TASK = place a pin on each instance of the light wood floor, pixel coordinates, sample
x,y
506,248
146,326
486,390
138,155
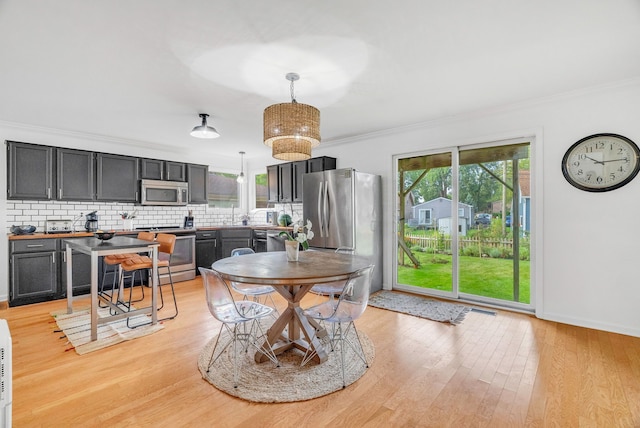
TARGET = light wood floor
x,y
509,370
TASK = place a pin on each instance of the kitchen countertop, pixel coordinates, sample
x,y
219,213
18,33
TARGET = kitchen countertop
x,y
41,235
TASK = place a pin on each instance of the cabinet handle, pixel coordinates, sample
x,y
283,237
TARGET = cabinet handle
x,y
204,235
53,258
64,257
60,193
49,192
35,245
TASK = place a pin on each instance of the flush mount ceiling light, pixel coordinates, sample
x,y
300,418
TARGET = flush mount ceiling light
x,y
240,178
291,129
204,131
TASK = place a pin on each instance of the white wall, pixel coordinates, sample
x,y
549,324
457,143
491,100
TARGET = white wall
x,y
586,242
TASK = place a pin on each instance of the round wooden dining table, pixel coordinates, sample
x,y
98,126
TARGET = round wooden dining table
x,y
292,280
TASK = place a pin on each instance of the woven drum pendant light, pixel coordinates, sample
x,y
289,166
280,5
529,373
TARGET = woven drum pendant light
x,y
291,129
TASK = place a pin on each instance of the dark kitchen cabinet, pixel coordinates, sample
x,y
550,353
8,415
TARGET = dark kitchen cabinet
x,y
117,178
299,168
198,178
33,273
155,169
285,182
29,171
75,177
321,163
175,171
233,238
272,183
206,249
280,183
151,169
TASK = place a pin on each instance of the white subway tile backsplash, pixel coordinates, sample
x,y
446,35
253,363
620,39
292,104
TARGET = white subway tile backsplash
x,y
37,212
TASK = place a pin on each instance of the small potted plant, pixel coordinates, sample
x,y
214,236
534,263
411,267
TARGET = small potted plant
x,y
298,238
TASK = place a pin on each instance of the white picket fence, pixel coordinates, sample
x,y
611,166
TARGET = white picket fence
x,y
444,243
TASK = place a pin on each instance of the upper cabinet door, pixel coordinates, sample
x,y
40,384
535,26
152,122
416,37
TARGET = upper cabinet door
x,y
30,171
198,176
117,178
151,169
272,183
299,169
75,175
286,182
175,171
322,163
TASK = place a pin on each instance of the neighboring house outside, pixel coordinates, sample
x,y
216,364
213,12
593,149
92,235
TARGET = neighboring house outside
x,y
524,179
409,203
428,214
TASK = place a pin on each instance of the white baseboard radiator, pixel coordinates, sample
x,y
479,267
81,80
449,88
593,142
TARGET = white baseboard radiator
x,y
6,373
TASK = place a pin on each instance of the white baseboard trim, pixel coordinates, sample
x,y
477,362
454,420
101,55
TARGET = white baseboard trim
x,y
612,328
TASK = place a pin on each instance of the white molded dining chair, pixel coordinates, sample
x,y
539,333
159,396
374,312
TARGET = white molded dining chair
x,y
255,291
332,289
234,316
342,314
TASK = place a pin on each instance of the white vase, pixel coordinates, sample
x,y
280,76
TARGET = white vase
x,y
293,249
127,224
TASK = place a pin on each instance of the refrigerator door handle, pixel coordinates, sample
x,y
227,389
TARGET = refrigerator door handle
x,y
325,215
320,219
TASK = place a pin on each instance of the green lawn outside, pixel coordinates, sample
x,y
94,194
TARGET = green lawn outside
x,y
488,277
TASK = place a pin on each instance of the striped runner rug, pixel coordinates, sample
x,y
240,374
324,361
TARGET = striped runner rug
x,y
77,329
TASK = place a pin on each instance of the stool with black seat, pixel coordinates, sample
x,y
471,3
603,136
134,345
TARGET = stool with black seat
x,y
114,260
140,263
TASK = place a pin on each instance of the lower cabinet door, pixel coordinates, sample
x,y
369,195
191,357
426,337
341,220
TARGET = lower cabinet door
x,y
34,278
205,254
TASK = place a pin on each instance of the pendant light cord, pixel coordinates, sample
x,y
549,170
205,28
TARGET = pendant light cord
x,y
293,97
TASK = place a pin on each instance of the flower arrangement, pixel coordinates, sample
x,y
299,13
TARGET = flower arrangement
x,y
128,216
301,233
244,218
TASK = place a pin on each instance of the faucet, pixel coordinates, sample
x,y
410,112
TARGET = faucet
x,y
75,220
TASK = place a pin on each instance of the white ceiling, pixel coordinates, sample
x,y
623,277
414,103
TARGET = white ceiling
x,y
142,70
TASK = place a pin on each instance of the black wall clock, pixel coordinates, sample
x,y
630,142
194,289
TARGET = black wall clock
x,y
601,162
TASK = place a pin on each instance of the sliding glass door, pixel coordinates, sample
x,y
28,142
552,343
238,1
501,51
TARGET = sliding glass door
x,y
424,224
464,224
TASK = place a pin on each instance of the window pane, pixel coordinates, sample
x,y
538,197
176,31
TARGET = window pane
x,y
223,190
261,190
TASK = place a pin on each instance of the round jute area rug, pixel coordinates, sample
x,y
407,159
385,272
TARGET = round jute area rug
x,y
266,383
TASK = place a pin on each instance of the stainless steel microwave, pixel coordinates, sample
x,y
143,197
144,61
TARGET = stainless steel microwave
x,y
160,192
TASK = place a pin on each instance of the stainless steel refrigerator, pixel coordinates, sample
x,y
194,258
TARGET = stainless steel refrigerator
x,y
345,208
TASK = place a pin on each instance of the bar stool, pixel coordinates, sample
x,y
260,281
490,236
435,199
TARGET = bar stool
x,y
114,260
140,263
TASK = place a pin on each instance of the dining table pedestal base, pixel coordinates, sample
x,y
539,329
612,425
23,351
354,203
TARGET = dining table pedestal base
x,y
301,332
